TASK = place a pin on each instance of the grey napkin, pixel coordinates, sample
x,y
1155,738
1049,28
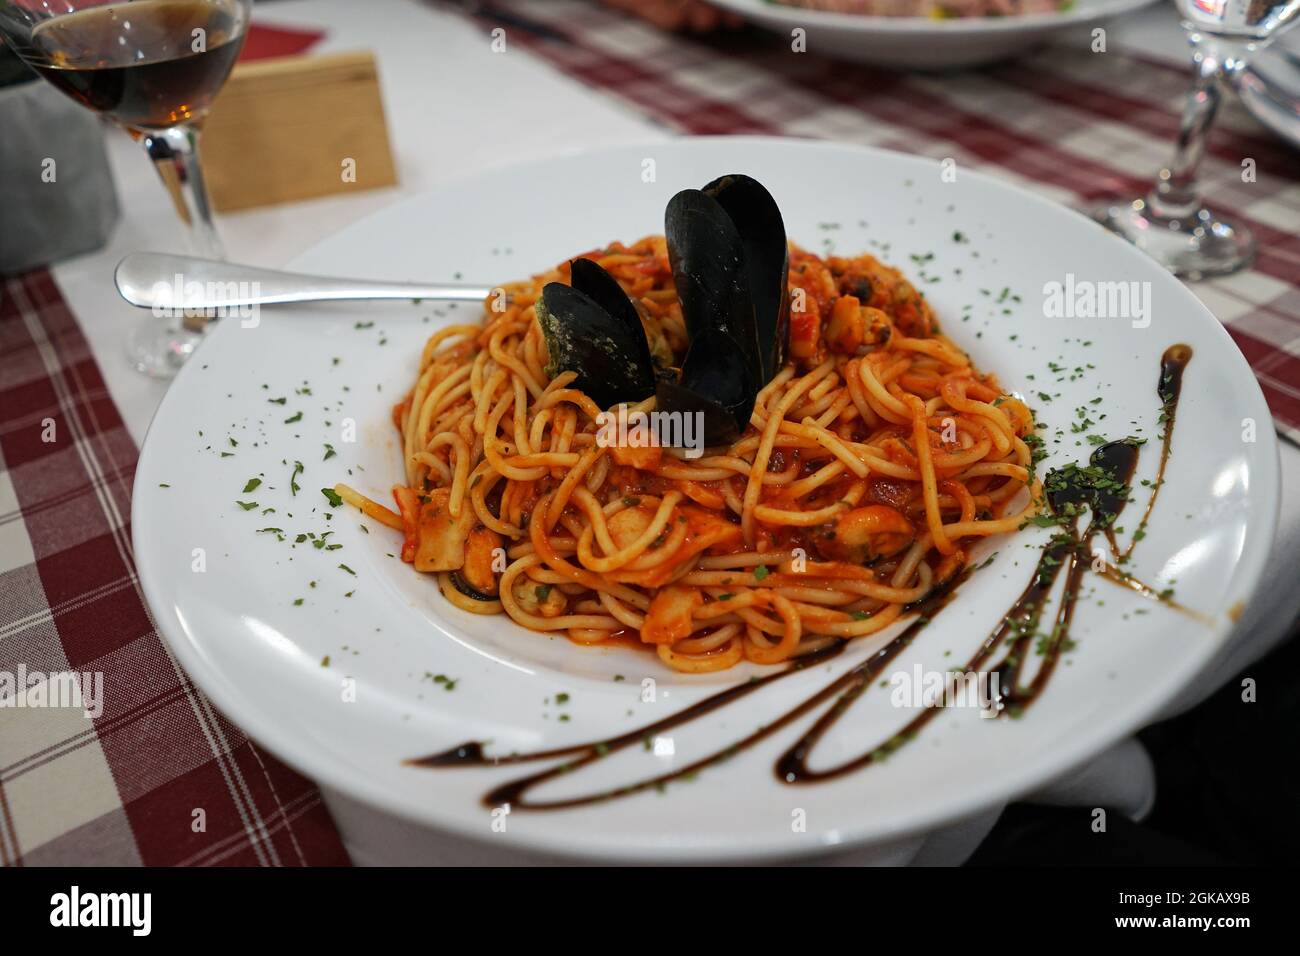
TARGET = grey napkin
x,y
56,193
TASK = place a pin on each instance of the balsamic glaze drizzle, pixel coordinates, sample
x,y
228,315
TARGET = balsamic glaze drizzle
x,y
1101,489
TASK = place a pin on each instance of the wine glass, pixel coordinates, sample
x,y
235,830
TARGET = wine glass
x,y
153,67
1170,222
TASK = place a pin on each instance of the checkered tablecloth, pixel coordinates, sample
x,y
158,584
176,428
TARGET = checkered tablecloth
x,y
1065,122
159,776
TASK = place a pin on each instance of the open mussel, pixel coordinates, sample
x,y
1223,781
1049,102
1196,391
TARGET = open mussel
x,y
728,252
592,328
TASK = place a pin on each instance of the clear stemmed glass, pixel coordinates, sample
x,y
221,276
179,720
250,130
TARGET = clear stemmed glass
x,y
1170,222
153,67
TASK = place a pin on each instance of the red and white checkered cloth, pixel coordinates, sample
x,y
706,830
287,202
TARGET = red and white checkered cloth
x,y
158,777
1065,122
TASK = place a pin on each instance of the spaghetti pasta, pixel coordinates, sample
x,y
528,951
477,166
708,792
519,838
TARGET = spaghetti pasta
x,y
872,462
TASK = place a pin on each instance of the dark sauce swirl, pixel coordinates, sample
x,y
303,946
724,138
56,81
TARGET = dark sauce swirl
x,y
1098,491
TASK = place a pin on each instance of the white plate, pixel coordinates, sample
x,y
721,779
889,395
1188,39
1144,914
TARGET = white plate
x,y
923,43
237,631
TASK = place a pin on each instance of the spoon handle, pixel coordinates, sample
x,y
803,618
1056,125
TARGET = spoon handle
x,y
158,280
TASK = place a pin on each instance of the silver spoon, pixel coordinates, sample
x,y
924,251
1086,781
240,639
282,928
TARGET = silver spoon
x,y
158,280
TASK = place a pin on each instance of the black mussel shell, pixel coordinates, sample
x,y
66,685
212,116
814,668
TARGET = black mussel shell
x,y
730,263
717,382
592,328
589,278
707,256
767,261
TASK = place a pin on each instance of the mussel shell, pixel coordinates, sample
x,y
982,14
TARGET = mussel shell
x,y
598,335
757,219
730,264
717,382
707,256
589,278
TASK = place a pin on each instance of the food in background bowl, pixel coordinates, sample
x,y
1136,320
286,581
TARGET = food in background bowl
x,y
932,9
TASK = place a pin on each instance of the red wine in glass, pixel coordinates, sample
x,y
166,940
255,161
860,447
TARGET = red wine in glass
x,y
153,67
146,65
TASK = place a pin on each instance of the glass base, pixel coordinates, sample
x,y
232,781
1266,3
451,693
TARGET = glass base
x,y
159,349
1192,247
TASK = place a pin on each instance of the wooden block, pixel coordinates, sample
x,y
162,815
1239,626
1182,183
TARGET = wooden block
x,y
284,129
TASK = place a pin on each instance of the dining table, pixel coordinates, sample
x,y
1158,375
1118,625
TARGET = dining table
x,y
124,787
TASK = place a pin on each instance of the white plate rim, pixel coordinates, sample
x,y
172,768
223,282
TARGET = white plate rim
x,y
262,728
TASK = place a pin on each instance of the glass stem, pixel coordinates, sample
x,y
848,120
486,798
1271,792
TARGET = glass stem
x,y
175,154
1176,194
